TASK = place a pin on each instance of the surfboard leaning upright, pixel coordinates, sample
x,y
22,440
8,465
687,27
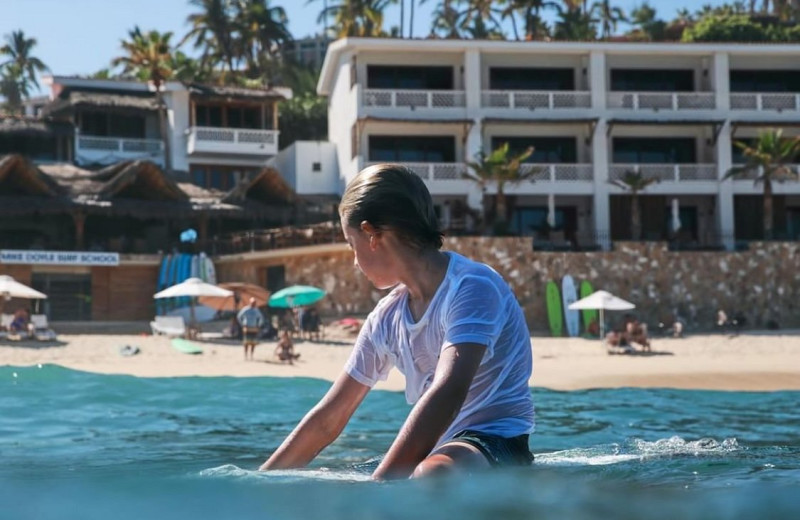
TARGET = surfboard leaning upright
x,y
589,315
569,295
554,315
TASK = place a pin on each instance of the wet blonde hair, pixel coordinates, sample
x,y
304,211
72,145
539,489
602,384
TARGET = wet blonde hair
x,y
390,196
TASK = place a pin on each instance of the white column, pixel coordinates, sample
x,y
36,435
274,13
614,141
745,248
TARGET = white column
x,y
725,222
721,81
177,102
602,219
472,81
597,79
472,147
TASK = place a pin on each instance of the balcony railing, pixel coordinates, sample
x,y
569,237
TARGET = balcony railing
x,y
435,171
667,172
755,173
763,101
91,149
560,172
205,139
662,100
386,98
534,99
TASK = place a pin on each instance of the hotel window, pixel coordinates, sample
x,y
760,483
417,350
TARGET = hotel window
x,y
404,77
104,124
546,150
222,178
412,148
652,80
765,81
654,150
525,78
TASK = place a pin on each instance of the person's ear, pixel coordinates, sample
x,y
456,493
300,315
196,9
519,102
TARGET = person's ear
x,y
372,233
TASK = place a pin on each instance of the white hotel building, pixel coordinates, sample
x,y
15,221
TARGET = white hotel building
x,y
591,110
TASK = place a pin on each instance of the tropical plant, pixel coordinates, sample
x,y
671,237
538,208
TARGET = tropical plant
x,y
727,27
482,19
356,17
634,182
262,30
18,71
530,10
500,168
447,20
575,24
148,56
213,31
769,159
609,17
649,27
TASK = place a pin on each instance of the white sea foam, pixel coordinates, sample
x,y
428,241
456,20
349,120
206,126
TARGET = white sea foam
x,y
636,449
285,475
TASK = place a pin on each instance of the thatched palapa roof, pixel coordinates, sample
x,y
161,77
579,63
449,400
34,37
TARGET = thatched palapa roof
x,y
100,100
19,176
267,187
33,127
234,93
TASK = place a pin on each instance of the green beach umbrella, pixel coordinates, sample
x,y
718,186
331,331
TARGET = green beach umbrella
x,y
296,296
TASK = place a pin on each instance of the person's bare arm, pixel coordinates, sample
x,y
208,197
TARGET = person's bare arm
x,y
321,426
434,412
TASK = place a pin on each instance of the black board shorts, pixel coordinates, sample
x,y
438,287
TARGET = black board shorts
x,y
499,451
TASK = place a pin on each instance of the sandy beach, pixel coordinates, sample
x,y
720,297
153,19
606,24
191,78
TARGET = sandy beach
x,y
748,362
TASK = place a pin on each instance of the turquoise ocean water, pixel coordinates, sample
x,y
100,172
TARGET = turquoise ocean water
x,y
78,445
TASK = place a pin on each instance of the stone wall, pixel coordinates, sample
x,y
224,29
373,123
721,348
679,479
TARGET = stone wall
x,y
762,283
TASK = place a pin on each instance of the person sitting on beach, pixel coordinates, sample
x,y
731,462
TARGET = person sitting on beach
x,y
636,332
451,325
250,318
284,350
21,324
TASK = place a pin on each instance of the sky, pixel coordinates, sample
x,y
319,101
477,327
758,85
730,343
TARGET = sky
x,y
80,37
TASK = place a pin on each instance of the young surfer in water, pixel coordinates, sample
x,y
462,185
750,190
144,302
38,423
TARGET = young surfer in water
x,y
451,325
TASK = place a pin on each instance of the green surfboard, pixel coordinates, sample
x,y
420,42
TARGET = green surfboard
x,y
589,315
554,315
185,346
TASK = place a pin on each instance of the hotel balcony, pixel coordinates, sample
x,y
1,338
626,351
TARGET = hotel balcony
x,y
413,99
757,101
535,100
667,172
561,172
675,101
91,149
242,141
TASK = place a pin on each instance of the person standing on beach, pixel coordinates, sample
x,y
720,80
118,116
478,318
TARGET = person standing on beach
x,y
251,319
452,326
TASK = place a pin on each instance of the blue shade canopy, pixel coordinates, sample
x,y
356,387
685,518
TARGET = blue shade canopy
x,y
296,296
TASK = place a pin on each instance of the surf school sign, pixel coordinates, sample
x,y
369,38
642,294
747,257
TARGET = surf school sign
x,y
14,256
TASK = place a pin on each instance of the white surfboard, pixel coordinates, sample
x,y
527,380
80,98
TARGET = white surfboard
x,y
570,295
211,272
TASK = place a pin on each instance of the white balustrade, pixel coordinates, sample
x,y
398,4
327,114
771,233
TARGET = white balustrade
x,y
535,99
443,171
385,98
777,101
232,140
667,172
662,100
561,172
90,149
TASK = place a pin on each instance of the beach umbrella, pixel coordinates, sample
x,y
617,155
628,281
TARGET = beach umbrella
x,y
604,301
296,296
242,292
193,288
676,216
10,288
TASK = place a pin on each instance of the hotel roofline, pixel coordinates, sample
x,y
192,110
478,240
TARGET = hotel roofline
x,y
338,47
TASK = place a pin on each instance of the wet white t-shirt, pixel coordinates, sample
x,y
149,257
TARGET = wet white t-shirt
x,y
473,304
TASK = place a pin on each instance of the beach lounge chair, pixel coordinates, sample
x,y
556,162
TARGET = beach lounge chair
x,y
168,326
41,329
5,324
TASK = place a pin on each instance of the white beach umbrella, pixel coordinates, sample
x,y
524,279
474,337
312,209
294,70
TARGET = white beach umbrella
x,y
602,300
193,287
676,216
10,288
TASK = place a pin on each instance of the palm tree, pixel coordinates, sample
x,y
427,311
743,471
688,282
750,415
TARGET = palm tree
x,y
213,30
357,17
609,15
770,159
500,168
573,24
634,182
535,27
484,17
149,56
262,29
20,68
644,17
448,21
